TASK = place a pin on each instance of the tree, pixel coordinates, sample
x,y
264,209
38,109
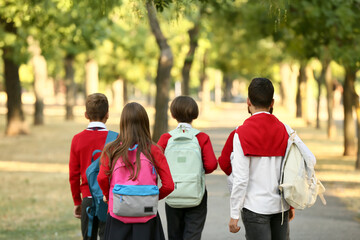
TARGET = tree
x,y
12,39
40,78
165,63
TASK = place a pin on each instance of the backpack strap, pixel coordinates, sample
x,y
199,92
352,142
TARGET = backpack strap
x,y
111,136
292,134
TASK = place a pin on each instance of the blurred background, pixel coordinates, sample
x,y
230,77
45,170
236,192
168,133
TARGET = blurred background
x,y
53,53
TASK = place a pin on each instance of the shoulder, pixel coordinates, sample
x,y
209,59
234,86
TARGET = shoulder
x,y
165,136
78,136
203,138
164,140
202,135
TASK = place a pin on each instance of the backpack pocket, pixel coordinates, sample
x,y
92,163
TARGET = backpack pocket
x,y
135,200
186,186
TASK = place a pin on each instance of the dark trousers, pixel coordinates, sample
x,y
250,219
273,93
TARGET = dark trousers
x,y
98,226
186,223
150,230
265,227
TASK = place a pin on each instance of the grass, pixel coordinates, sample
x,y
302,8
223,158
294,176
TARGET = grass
x,y
35,198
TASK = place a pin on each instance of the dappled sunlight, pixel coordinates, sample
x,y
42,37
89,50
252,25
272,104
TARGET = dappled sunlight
x,y
7,166
339,176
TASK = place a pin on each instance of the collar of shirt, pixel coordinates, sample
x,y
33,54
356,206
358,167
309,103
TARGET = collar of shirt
x,y
260,112
100,125
184,125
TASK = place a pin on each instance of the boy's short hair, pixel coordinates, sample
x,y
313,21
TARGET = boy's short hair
x,y
184,109
261,92
97,106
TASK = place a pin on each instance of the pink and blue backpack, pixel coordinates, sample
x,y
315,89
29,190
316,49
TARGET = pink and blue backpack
x,y
134,201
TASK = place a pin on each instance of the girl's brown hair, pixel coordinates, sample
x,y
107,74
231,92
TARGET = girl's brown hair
x,y
134,129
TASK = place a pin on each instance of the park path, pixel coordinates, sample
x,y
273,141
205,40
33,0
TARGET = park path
x,y
330,222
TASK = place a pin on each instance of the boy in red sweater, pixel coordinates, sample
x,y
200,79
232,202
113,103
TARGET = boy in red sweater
x,y
82,146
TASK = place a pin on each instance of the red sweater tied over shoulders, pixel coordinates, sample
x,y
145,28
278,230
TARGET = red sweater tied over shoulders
x,y
263,135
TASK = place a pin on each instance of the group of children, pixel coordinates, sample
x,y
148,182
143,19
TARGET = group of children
x,y
131,157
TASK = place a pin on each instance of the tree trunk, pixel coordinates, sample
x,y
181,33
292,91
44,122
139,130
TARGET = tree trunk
x,y
357,109
288,83
218,81
227,88
301,103
165,64
40,80
91,77
331,128
193,35
349,126
15,116
319,81
70,87
205,88
118,94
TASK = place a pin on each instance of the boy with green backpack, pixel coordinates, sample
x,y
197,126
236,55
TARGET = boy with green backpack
x,y
190,156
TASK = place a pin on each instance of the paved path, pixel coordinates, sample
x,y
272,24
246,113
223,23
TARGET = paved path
x,y
330,222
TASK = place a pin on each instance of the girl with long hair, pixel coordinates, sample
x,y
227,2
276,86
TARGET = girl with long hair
x,y
124,159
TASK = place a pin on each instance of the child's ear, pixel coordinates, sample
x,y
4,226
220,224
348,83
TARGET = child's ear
x,y
272,103
87,116
248,102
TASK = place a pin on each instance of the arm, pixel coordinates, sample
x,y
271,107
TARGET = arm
x,y
291,213
224,159
74,174
207,153
240,171
167,183
103,178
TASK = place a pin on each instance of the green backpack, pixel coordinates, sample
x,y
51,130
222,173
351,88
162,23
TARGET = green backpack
x,y
183,154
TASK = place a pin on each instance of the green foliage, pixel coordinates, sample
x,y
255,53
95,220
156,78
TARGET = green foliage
x,y
162,4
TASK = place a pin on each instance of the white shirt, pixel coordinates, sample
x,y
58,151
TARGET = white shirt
x,y
255,183
185,126
97,124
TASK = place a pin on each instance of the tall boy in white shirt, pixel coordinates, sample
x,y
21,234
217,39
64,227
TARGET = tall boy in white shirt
x,y
259,145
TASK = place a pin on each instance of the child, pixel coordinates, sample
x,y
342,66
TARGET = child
x,y
188,223
259,145
82,146
123,159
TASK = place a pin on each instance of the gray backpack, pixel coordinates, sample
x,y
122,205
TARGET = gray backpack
x,y
183,154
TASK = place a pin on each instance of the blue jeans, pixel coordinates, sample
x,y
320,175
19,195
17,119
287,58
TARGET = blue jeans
x,y
265,227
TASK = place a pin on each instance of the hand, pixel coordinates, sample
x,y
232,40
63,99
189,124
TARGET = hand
x,y
104,199
233,225
291,214
77,211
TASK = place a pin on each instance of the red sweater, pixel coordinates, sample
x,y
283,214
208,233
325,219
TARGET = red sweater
x,y
263,134
224,159
207,152
82,146
167,184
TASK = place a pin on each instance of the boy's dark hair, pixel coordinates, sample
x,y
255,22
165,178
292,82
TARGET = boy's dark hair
x,y
261,92
97,106
184,109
